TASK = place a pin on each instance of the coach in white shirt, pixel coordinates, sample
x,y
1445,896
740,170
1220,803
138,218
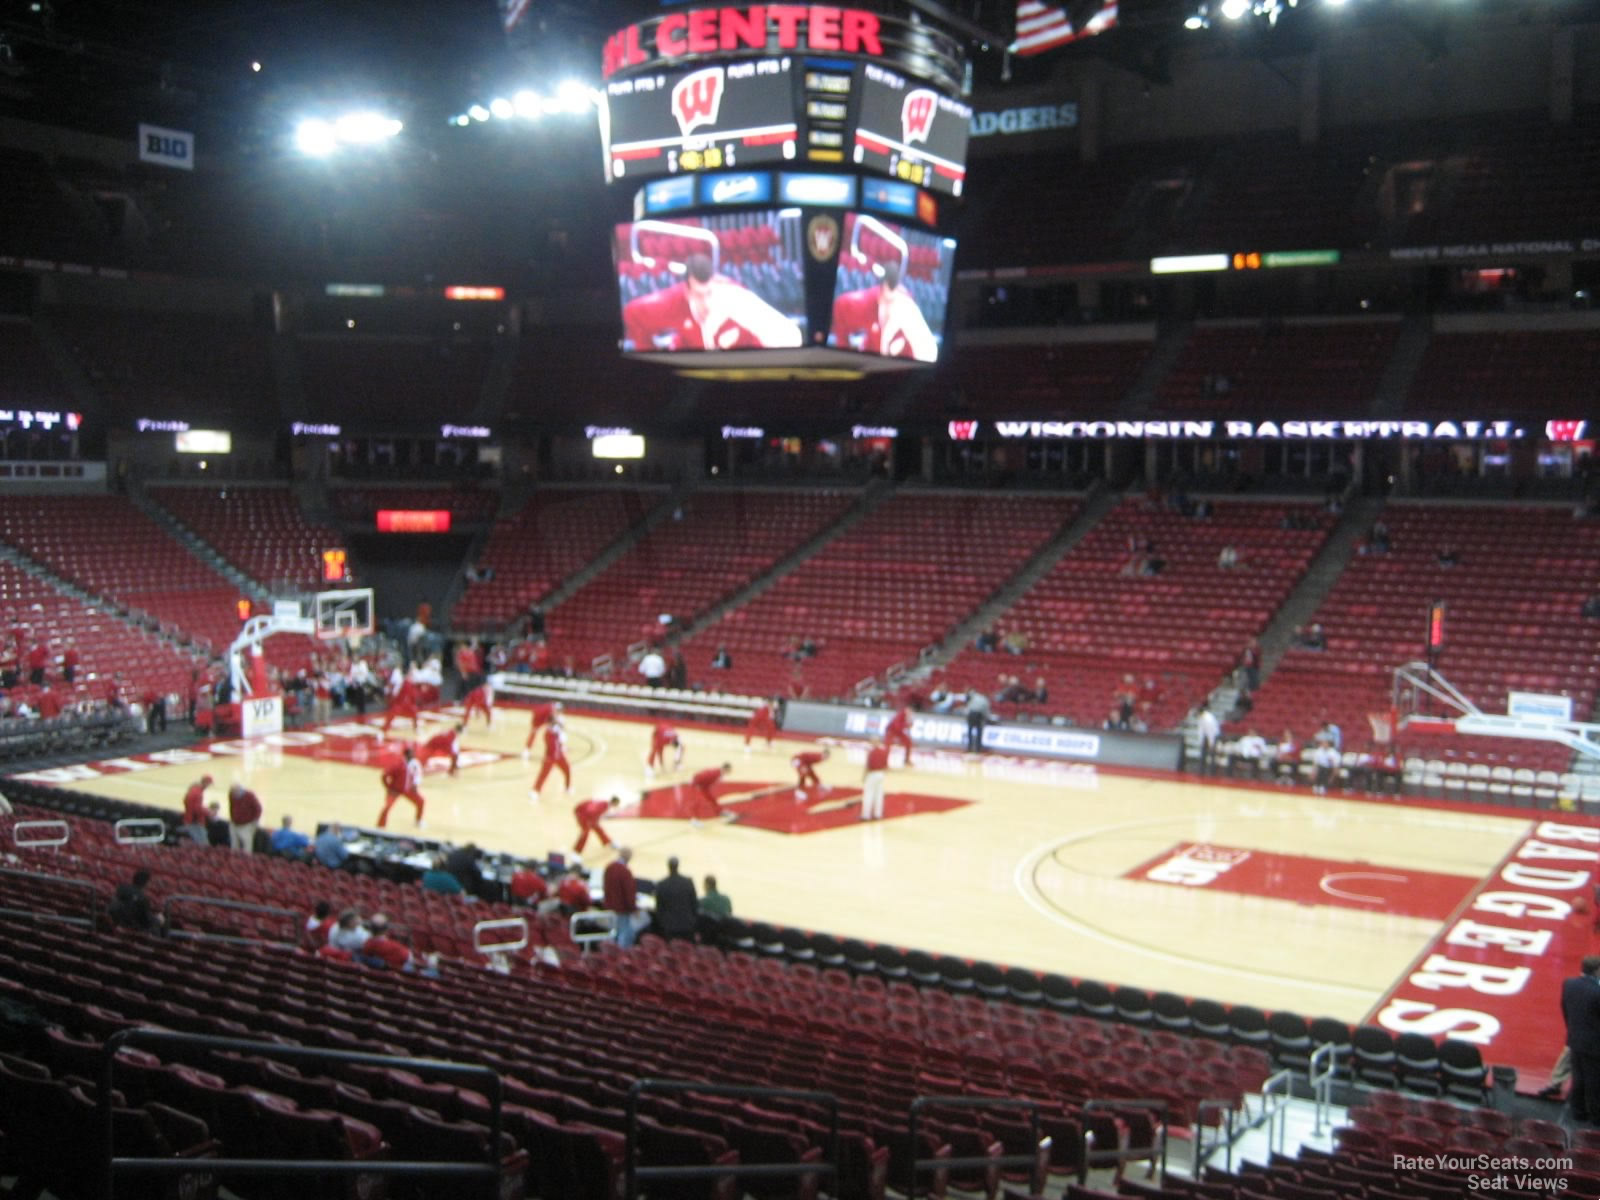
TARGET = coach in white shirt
x,y
1210,729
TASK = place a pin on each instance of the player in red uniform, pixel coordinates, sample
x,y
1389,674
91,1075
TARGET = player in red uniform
x,y
555,755
898,732
705,798
443,745
403,778
588,814
805,766
480,699
662,736
543,714
402,701
872,782
761,725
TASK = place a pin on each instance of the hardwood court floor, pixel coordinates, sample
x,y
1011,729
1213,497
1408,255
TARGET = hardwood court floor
x,y
1278,899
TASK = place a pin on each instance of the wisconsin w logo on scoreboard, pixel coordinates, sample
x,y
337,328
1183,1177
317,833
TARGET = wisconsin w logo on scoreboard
x,y
916,115
697,98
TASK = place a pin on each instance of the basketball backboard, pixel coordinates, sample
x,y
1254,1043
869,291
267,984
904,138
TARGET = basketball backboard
x,y
344,614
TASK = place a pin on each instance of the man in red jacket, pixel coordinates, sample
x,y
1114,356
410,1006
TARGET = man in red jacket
x,y
403,778
244,817
761,725
543,714
805,767
442,745
620,894
705,797
195,817
555,755
662,736
588,815
898,732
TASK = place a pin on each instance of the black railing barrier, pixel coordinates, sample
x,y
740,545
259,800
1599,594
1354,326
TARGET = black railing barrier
x,y
1122,1154
292,938
74,885
637,1174
987,1161
480,1179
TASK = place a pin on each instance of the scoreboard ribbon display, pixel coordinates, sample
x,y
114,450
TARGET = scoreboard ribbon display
x,y
734,114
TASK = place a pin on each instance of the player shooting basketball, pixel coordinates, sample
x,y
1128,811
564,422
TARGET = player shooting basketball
x,y
884,318
706,310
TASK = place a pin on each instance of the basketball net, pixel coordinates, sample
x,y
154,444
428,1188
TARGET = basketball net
x,y
1382,727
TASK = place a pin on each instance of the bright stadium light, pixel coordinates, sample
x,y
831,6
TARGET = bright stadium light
x,y
526,103
575,96
315,137
366,128
478,112
1235,10
1194,21
501,108
463,120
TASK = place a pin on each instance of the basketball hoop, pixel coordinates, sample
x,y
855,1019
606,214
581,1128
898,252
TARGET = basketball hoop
x,y
1382,727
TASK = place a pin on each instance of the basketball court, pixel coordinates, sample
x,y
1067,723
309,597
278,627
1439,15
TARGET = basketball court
x,y
1252,894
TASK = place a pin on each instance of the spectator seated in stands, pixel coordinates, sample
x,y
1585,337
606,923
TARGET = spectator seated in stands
x,y
1448,557
1016,642
722,660
462,862
1242,705
319,924
438,879
330,849
289,841
1591,607
988,641
130,906
942,700
1252,754
1313,638
386,948
573,892
349,935
1286,760
1377,540
528,887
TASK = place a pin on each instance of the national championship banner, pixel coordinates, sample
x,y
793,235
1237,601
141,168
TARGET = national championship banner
x,y
167,147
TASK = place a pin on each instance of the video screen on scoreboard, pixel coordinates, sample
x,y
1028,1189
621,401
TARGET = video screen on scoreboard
x,y
909,131
738,114
892,290
728,281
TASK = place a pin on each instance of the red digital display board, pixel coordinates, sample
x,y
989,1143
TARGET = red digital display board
x,y
413,520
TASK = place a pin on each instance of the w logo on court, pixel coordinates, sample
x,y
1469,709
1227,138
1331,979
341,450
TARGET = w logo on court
x,y
916,114
697,98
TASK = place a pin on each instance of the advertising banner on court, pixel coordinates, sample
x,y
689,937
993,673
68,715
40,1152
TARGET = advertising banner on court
x,y
261,715
949,731
1539,706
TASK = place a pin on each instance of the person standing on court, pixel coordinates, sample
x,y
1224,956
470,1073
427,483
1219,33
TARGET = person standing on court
x,y
677,906
872,782
244,818
977,718
1580,1008
1209,729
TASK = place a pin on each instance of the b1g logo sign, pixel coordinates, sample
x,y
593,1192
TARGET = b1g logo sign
x,y
168,147
697,99
916,115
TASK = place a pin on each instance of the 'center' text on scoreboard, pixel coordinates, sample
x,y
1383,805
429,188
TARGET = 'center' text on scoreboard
x,y
758,27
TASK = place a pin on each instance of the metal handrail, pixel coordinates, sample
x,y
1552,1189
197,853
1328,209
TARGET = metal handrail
x,y
75,884
124,831
486,948
596,925
919,1165
235,906
51,822
1159,1107
635,1173
488,1172
1322,1081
